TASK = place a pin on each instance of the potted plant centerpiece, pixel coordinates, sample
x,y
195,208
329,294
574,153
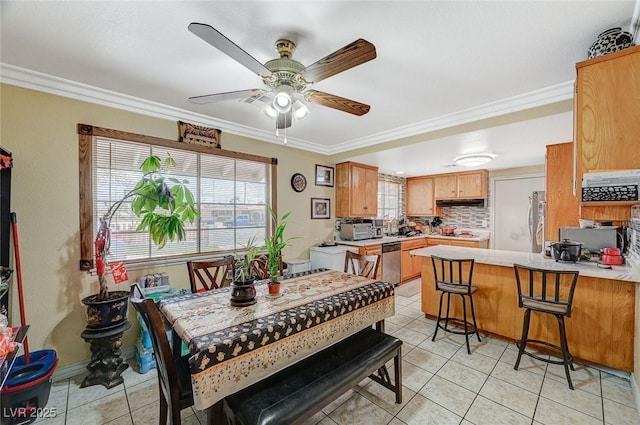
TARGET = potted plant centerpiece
x,y
243,290
165,204
275,244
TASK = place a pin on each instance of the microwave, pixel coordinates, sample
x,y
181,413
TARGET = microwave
x,y
377,226
355,231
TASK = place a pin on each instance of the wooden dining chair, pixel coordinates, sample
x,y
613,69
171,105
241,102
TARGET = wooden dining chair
x,y
174,378
362,265
260,268
207,275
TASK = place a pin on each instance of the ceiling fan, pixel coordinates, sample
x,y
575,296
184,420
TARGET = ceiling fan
x,y
286,79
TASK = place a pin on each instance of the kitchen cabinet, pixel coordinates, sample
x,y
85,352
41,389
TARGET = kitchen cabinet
x,y
410,266
458,242
468,185
600,330
419,196
561,203
607,128
356,190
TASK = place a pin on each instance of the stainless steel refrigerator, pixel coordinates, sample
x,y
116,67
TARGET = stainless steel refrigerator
x,y
536,220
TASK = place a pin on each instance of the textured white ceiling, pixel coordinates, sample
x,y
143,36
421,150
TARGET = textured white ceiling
x,y
439,64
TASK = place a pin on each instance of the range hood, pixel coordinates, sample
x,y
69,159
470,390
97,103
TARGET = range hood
x,y
461,202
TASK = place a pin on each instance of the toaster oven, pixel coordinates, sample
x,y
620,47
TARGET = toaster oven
x,y
355,231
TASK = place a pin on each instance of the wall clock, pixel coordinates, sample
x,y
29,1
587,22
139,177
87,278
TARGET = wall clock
x,y
298,182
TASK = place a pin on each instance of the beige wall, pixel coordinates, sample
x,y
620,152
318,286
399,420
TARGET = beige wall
x,y
40,130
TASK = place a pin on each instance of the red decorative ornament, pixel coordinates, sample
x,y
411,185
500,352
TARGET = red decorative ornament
x,y
119,272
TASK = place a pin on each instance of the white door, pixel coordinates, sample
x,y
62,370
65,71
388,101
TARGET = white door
x,y
510,211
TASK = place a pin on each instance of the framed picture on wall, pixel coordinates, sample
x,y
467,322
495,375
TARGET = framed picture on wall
x,y
324,176
320,208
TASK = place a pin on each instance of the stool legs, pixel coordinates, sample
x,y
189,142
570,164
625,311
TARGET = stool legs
x,y
439,315
565,350
465,323
567,359
523,340
473,316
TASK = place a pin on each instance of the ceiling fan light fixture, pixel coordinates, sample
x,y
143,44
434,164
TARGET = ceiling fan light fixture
x,y
300,110
282,102
473,160
270,112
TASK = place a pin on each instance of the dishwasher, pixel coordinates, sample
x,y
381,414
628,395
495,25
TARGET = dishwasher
x,y
391,262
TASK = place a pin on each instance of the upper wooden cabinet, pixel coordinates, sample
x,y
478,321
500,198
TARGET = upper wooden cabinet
x,y
561,204
419,196
607,127
356,190
467,185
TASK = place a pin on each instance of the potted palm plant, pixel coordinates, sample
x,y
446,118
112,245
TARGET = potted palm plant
x,y
274,245
165,204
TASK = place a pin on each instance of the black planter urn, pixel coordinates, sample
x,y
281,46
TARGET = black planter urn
x,y
243,293
105,314
106,323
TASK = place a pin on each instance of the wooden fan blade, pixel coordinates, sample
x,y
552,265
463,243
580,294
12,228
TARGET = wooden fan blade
x,y
230,95
336,102
284,120
228,47
354,54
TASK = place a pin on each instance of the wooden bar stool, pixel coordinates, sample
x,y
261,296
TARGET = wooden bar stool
x,y
453,276
550,292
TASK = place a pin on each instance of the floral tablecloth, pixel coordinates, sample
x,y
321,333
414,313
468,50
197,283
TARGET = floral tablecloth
x,y
232,347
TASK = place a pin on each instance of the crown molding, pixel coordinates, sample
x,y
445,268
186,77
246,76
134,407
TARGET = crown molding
x,y
29,79
532,99
34,80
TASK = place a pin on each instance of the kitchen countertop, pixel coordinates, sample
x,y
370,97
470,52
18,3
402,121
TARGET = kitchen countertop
x,y
474,237
331,249
378,241
477,235
628,272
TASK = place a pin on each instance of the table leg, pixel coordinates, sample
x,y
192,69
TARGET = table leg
x,y
215,414
380,325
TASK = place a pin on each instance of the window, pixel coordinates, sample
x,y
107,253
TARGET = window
x,y
231,190
388,200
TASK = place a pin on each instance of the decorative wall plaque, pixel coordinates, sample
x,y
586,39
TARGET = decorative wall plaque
x,y
199,135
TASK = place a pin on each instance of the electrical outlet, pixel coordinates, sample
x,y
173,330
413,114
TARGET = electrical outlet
x,y
484,223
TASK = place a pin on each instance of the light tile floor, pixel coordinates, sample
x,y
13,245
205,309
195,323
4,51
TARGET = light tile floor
x,y
442,385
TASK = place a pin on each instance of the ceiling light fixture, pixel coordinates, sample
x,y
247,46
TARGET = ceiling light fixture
x,y
283,108
282,102
270,111
300,111
474,159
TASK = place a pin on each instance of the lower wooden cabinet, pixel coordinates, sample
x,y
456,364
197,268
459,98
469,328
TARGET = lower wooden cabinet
x,y
458,242
410,267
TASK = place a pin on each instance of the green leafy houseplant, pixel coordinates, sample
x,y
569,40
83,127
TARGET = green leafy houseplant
x,y
276,243
164,203
245,272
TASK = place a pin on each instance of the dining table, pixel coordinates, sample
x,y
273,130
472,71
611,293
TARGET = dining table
x,y
233,347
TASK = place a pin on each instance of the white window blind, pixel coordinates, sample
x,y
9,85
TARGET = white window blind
x,y
231,195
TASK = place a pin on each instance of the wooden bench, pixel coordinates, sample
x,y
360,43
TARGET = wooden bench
x,y
299,391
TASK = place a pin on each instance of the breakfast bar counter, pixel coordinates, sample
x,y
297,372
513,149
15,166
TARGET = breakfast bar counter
x,y
601,327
